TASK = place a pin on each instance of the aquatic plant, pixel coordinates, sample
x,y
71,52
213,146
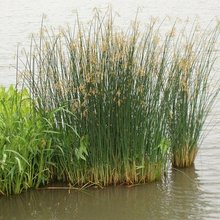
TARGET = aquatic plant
x,y
113,87
194,93
105,106
25,151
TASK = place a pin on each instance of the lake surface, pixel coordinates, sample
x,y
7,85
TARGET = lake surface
x,y
192,193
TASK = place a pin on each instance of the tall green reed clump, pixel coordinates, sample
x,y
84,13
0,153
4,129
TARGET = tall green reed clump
x,y
194,92
25,147
113,88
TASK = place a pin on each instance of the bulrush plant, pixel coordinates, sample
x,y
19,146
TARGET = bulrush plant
x,y
113,88
194,93
117,102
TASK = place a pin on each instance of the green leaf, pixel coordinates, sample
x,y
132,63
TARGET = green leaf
x,y
81,152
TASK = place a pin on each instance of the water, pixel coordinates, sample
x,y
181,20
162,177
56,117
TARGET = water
x,y
192,193
181,196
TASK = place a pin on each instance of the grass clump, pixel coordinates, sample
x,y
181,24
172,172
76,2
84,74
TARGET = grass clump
x,y
194,93
25,151
105,106
114,87
32,148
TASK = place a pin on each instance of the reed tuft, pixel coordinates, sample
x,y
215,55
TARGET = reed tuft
x,y
103,106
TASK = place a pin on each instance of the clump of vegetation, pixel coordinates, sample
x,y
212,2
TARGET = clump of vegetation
x,y
104,106
194,93
25,151
33,151
114,87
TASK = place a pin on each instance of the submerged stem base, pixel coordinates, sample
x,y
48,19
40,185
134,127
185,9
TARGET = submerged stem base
x,y
184,157
105,175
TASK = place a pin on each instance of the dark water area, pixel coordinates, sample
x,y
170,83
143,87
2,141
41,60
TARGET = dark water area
x,y
192,193
180,195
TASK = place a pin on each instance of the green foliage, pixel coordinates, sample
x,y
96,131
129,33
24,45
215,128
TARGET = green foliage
x,y
82,152
25,150
115,89
105,106
194,93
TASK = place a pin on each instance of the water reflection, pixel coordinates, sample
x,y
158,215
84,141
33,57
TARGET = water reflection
x,y
177,197
183,195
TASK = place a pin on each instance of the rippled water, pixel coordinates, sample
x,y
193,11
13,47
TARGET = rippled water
x,y
192,193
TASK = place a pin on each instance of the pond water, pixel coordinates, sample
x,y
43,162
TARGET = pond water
x,y
192,193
